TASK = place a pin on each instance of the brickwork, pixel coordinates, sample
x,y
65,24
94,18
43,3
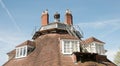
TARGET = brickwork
x,y
69,19
45,19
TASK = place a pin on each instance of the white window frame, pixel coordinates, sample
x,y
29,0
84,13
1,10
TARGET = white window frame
x,y
71,48
99,48
21,51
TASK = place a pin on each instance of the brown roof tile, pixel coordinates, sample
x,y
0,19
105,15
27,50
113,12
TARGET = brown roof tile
x,y
28,42
11,52
90,40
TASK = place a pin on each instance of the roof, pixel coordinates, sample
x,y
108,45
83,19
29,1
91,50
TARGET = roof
x,y
11,52
90,40
47,53
28,42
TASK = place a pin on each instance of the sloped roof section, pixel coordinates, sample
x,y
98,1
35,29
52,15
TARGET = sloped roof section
x,y
90,40
28,42
11,52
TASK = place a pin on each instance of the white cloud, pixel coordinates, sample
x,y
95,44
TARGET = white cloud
x,y
101,24
10,15
107,26
8,41
12,39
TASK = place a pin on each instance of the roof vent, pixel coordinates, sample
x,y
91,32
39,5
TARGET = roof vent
x,y
57,17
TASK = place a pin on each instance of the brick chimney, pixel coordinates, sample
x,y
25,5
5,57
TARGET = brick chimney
x,y
45,18
68,17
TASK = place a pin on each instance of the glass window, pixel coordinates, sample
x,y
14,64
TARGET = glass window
x,y
21,52
17,52
67,47
24,51
70,46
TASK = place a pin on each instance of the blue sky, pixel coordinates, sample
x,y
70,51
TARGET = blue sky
x,y
98,18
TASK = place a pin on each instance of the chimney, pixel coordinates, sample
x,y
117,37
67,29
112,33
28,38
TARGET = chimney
x,y
45,18
68,17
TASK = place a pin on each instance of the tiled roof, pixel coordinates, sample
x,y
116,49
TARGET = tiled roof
x,y
28,42
11,52
90,40
48,53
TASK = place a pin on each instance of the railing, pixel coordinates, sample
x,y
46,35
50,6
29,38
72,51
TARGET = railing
x,y
73,30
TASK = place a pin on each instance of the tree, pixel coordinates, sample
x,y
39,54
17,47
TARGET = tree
x,y
117,58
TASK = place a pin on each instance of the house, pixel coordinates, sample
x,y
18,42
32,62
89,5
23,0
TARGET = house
x,y
57,44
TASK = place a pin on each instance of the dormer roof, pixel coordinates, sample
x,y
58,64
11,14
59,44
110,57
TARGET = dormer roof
x,y
90,40
28,42
11,52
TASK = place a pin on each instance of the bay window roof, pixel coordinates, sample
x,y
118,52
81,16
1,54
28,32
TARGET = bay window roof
x,y
92,39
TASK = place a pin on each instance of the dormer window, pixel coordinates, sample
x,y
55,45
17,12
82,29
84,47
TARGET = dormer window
x,y
70,46
23,51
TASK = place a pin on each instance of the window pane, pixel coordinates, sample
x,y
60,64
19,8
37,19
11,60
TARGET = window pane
x,y
70,46
75,46
67,47
17,52
24,51
20,51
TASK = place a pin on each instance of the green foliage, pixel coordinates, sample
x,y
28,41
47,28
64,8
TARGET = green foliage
x,y
117,58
